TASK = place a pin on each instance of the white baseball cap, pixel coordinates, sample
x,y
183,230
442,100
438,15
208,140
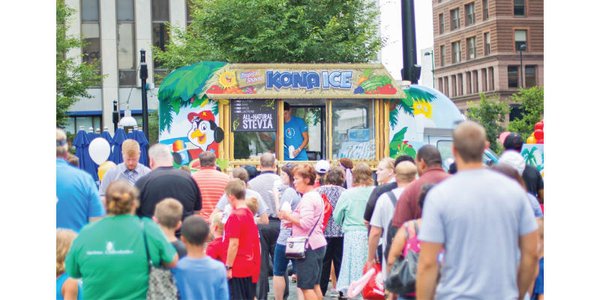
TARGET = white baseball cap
x,y
322,166
513,159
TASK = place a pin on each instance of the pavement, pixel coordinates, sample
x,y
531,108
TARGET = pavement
x,y
330,295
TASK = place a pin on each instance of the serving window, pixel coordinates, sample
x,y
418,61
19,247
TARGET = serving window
x,y
353,129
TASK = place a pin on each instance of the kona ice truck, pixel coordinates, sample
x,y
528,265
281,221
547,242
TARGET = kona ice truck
x,y
351,110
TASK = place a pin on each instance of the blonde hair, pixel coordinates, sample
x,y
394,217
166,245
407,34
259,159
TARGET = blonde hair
x,y
121,198
388,163
406,171
168,212
64,239
362,175
130,148
217,220
237,188
252,204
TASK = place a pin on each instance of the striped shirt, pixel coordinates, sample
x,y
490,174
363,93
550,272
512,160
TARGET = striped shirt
x,y
120,172
212,186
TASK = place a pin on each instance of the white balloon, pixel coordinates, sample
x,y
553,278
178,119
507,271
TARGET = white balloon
x,y
99,150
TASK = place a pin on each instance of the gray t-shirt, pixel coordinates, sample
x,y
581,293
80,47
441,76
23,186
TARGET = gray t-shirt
x,y
478,215
263,184
382,215
289,195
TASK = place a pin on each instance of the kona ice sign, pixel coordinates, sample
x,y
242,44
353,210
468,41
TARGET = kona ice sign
x,y
288,81
309,80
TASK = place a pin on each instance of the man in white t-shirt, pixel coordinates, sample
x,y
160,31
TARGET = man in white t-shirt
x,y
405,173
483,220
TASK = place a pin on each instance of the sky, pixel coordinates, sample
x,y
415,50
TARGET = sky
x,y
391,29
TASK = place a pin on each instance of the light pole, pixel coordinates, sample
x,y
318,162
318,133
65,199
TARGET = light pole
x,y
430,53
522,48
143,77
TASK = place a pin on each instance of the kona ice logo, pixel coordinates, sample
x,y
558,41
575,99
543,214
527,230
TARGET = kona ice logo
x,y
309,80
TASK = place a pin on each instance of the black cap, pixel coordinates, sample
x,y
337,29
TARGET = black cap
x,y
513,142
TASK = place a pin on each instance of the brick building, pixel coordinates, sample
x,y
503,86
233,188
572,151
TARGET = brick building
x,y
476,47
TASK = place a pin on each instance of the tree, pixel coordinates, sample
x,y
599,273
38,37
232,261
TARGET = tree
x,y
532,106
72,78
490,113
275,31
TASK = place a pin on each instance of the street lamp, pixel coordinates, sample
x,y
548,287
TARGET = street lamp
x,y
522,48
430,53
143,77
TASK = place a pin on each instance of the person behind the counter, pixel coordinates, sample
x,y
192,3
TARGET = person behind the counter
x,y
295,135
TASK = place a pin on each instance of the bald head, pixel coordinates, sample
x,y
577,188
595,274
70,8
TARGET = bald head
x,y
469,141
267,160
430,155
62,147
160,156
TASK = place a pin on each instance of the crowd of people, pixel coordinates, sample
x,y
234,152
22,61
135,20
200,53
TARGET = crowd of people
x,y
478,233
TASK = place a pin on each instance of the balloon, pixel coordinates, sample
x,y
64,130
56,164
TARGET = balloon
x,y
503,136
531,140
539,134
539,125
540,141
104,167
99,150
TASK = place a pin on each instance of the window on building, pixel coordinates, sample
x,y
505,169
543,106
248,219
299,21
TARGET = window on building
x,y
460,84
519,8
454,88
471,50
513,76
469,84
441,84
455,52
441,23
126,42
484,80
446,87
530,76
487,44
475,82
160,34
491,77
90,33
486,14
353,129
442,55
520,39
455,19
470,14
75,123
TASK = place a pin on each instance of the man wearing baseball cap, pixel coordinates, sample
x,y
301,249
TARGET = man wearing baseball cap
x,y
322,167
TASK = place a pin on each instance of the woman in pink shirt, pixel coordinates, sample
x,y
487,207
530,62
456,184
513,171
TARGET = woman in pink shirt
x,y
305,221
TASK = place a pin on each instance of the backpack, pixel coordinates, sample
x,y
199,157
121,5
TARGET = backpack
x,y
327,211
391,232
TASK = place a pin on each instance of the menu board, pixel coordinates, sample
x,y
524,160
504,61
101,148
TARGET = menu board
x,y
253,115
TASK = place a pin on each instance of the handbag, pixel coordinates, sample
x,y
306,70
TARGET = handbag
x,y
374,290
295,247
160,281
402,277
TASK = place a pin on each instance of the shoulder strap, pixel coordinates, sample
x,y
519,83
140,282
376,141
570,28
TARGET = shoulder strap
x,y
416,226
146,244
392,197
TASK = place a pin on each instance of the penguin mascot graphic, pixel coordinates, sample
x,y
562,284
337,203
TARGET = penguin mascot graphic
x,y
204,134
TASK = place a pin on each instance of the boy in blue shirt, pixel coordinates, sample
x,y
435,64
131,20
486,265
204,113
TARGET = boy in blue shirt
x,y
295,137
198,276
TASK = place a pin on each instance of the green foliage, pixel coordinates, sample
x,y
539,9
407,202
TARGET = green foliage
x,y
153,127
532,106
72,78
490,113
275,31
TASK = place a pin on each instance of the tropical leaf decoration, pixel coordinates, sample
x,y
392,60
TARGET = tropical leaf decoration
x,y
413,94
529,156
183,88
394,112
398,146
